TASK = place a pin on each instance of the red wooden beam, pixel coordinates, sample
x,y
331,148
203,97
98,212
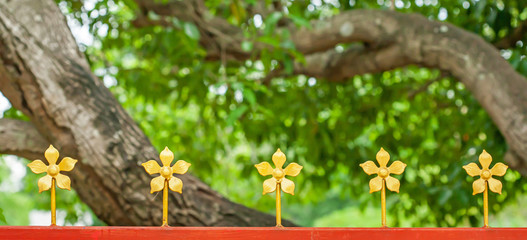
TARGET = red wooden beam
x,y
270,233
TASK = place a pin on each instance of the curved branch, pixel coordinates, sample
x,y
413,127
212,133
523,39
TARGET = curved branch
x,y
217,32
419,41
390,40
21,138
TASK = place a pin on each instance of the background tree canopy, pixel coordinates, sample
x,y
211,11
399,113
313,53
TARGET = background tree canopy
x,y
225,83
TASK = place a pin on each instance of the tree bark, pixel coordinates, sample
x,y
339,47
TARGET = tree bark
x,y
21,138
45,76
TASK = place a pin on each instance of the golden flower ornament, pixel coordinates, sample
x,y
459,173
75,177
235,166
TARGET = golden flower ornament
x,y
53,175
486,176
278,174
383,178
278,180
383,172
166,179
53,170
166,172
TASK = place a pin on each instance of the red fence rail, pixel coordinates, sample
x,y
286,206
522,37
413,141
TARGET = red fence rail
x,y
270,233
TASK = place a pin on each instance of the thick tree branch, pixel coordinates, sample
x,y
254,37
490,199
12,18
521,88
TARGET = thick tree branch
x,y
419,41
217,33
21,138
388,40
357,60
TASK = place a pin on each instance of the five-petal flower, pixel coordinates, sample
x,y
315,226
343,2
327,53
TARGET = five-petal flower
x,y
383,172
486,174
166,171
52,170
278,174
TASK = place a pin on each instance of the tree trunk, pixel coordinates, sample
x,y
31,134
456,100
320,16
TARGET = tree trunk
x,y
44,75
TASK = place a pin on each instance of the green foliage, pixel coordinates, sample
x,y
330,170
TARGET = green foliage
x,y
219,116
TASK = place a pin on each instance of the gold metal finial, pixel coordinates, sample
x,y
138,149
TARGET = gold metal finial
x,y
480,185
278,181
383,178
166,180
53,175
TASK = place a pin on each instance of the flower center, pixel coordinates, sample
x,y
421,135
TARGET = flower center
x,y
384,172
166,172
53,170
278,173
486,174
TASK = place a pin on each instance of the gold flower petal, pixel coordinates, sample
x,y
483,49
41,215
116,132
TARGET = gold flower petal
x,y
472,169
67,164
269,185
499,169
279,158
392,184
264,168
166,157
382,157
37,166
151,167
175,184
63,181
292,170
51,155
288,186
495,185
180,167
369,167
485,159
157,184
44,183
397,167
478,186
375,184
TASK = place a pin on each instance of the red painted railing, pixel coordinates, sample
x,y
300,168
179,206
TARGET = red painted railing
x,y
237,233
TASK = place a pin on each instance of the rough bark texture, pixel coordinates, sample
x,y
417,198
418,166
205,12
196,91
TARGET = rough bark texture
x,y
44,75
21,138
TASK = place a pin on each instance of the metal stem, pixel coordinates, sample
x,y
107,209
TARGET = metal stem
x,y
486,207
383,203
53,209
278,206
165,204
